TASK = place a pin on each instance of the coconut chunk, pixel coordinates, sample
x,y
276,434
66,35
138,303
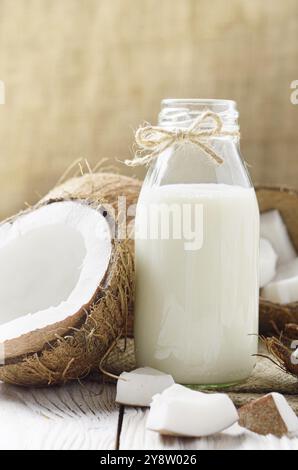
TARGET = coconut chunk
x,y
272,228
270,414
268,259
184,412
281,292
283,288
287,270
137,387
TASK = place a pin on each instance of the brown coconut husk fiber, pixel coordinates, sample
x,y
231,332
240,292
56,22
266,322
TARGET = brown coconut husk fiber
x,y
70,349
274,316
291,331
104,187
281,355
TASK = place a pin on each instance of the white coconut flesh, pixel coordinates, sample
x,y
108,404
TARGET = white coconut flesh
x,y
52,260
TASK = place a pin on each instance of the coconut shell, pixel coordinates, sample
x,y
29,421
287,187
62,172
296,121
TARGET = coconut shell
x,y
274,316
291,331
105,187
262,417
70,349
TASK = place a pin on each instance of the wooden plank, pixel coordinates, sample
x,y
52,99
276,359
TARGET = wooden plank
x,y
70,417
86,417
134,435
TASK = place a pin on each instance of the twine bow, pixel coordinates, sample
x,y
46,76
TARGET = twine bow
x,y
153,140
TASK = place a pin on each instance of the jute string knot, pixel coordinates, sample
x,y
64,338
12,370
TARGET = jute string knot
x,y
153,140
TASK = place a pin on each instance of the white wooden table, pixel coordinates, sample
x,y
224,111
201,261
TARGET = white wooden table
x,y
86,417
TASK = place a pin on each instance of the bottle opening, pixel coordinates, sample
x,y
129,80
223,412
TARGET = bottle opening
x,y
182,112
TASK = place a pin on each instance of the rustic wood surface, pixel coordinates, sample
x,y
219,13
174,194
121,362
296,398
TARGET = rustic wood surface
x,y
86,417
80,76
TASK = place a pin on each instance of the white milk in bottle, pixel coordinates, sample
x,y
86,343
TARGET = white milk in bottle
x,y
196,247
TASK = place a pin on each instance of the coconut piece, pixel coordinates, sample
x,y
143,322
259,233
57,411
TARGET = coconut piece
x,y
287,270
184,412
270,414
284,287
67,286
281,291
272,228
268,259
137,387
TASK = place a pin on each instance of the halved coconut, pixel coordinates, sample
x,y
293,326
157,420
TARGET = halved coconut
x,y
66,289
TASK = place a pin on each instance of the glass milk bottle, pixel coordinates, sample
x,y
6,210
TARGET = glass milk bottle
x,y
196,247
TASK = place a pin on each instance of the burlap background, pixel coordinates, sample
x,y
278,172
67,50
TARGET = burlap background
x,y
80,75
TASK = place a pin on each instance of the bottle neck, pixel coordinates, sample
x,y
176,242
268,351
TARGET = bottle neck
x,y
181,113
